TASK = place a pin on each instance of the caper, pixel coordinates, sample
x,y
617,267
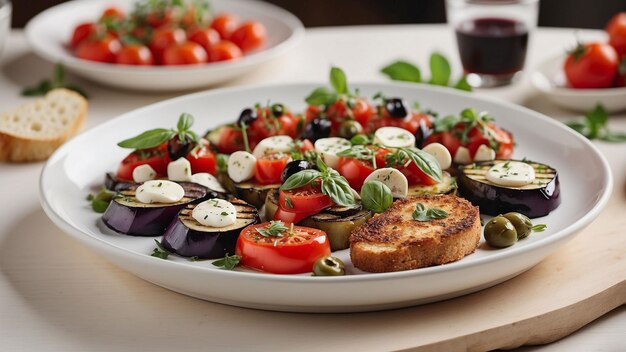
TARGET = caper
x,y
522,224
329,266
349,129
499,232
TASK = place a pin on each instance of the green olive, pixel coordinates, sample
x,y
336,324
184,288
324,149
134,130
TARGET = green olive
x,y
329,266
499,232
521,222
349,129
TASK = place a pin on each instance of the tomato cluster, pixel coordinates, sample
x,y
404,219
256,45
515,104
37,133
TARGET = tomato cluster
x,y
165,35
600,65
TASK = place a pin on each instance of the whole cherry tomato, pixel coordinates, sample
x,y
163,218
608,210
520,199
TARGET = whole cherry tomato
x,y
163,38
206,37
134,54
249,36
112,13
225,24
102,50
157,19
83,32
224,50
188,53
616,28
592,65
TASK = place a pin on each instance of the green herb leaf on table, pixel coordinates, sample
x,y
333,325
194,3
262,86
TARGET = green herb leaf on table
x,y
376,196
421,213
160,251
595,126
403,71
57,81
229,262
439,70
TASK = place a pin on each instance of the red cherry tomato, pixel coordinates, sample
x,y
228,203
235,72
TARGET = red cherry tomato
x,y
83,32
359,109
249,36
592,65
415,176
112,13
451,142
164,38
206,37
412,123
202,160
225,24
134,54
102,50
355,171
267,125
290,217
304,200
188,53
269,167
157,19
157,158
231,140
616,28
293,253
224,50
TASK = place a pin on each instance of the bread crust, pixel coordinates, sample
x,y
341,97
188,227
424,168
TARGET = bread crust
x,y
17,148
393,241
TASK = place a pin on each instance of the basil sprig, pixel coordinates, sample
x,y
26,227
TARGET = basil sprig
x,y
440,72
331,183
360,152
424,161
229,262
325,96
160,251
421,213
57,81
595,126
158,136
376,196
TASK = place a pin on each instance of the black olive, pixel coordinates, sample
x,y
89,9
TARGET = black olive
x,y
247,116
278,110
422,133
294,167
178,149
316,129
396,107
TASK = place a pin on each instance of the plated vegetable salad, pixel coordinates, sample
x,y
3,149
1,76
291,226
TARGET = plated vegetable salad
x,y
166,32
279,191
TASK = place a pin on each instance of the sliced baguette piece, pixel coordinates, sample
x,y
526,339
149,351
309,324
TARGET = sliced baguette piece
x,y
394,241
33,131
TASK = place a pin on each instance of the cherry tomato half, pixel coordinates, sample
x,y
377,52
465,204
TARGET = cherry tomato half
x,y
231,140
249,36
202,160
293,253
157,158
355,171
592,65
269,167
304,200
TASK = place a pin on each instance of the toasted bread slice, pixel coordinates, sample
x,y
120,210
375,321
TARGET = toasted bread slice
x,y
394,241
36,129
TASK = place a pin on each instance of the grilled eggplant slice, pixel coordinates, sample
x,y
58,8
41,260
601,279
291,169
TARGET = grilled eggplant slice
x,y
187,237
446,186
111,182
533,200
251,192
337,222
128,216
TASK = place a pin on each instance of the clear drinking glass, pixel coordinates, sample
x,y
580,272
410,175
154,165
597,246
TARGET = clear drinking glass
x,y
5,22
492,37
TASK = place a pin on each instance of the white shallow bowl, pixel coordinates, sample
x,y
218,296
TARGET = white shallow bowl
x,y
550,79
49,32
78,168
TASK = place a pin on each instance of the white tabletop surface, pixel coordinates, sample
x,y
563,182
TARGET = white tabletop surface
x,y
56,295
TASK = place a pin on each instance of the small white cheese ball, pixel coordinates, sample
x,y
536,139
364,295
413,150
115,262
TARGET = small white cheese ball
x,y
394,137
511,174
484,153
327,148
207,180
179,170
215,213
272,145
392,178
241,166
440,153
143,173
462,156
159,191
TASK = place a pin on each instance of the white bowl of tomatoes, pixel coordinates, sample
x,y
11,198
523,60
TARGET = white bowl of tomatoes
x,y
591,73
163,45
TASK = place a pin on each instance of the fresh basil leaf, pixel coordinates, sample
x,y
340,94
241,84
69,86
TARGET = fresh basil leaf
x,y
578,127
425,162
439,69
446,123
148,139
222,163
300,179
321,165
436,213
77,89
422,214
185,121
322,96
462,84
596,120
229,262
338,80
160,251
360,152
360,139
99,206
376,196
40,89
338,189
614,137
403,71
58,75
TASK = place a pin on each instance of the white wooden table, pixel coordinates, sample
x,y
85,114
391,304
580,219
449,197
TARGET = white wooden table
x,y
56,295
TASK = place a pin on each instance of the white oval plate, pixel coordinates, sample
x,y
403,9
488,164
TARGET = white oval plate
x,y
49,32
549,79
79,166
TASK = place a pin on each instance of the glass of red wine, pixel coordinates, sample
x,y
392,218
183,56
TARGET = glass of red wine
x,y
492,36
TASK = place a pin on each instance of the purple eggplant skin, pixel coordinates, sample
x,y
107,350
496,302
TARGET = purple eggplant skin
x,y
189,242
136,221
111,182
495,200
